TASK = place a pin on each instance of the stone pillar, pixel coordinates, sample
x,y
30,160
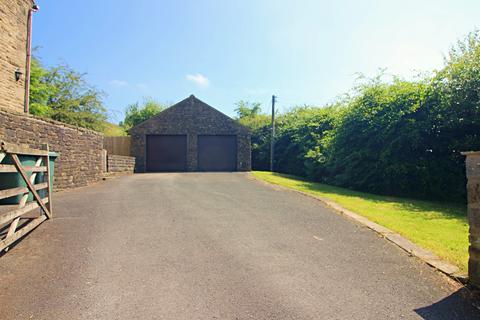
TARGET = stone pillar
x,y
104,161
473,189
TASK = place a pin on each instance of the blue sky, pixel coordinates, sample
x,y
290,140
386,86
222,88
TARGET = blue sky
x,y
306,52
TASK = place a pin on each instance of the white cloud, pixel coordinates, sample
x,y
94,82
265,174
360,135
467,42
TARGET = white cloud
x,y
198,79
118,83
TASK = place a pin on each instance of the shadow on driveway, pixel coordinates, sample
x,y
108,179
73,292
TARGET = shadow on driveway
x,y
447,306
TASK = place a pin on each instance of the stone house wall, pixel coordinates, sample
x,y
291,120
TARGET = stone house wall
x,y
191,117
80,160
13,52
120,164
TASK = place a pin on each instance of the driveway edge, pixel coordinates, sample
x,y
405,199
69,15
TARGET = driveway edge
x,y
425,255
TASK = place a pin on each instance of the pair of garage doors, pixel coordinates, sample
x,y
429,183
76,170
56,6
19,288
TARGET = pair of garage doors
x,y
170,153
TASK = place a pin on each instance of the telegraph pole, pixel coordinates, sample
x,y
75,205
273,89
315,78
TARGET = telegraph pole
x,y
272,138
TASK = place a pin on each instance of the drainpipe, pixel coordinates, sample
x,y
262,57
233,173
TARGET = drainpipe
x,y
34,8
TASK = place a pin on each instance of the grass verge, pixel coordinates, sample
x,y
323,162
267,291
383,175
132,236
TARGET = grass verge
x,y
439,227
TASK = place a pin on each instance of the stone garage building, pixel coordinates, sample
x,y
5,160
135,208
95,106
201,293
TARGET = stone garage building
x,y
191,136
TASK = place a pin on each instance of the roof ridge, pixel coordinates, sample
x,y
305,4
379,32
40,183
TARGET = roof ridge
x,y
190,100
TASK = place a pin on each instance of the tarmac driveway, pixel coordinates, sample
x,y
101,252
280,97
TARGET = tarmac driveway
x,y
213,246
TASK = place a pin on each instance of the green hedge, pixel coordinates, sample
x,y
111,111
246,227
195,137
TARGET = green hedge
x,y
395,138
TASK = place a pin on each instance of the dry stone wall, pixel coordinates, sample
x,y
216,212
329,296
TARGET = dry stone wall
x,y
120,164
80,160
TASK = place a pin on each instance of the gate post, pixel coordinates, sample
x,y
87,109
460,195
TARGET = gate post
x,y
104,161
473,191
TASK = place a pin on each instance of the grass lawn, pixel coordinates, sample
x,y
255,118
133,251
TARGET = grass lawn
x,y
439,227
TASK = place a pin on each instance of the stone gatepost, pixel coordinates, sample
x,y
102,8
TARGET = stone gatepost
x,y
473,189
104,161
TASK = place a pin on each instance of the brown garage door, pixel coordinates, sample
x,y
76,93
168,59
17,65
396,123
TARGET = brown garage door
x,y
166,153
217,153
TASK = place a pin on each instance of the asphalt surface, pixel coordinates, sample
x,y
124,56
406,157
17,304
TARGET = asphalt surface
x,y
213,246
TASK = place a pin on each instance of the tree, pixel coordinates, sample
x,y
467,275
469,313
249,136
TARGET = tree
x,y
136,113
247,109
39,89
249,114
63,94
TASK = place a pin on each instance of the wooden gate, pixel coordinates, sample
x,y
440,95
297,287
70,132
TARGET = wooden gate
x,y
14,223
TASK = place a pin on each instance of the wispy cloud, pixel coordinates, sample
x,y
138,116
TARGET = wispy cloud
x,y
118,83
198,79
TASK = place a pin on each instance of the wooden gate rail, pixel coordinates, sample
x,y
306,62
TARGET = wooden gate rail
x,y
11,219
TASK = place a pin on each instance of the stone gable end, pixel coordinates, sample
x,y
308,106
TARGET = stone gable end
x,y
191,117
195,116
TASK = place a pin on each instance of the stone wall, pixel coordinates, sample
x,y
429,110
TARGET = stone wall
x,y
13,52
473,188
191,117
80,160
120,164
